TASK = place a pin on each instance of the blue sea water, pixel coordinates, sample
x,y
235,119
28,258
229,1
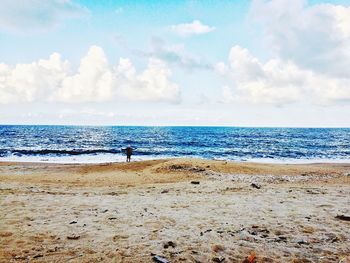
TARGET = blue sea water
x,y
84,144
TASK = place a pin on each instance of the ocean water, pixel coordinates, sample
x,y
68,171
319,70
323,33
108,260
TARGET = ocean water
x,y
89,144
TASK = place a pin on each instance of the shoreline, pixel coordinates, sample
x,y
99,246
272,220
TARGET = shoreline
x,y
121,159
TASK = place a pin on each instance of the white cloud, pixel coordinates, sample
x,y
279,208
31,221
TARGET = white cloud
x,y
194,28
37,15
175,54
311,47
151,85
34,81
94,81
315,37
280,82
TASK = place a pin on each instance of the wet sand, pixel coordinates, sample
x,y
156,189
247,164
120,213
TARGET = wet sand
x,y
183,210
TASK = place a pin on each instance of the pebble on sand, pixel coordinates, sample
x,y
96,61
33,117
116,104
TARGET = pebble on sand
x,y
217,248
160,259
254,185
73,237
343,217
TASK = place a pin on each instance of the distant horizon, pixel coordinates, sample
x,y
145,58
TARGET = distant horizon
x,y
204,126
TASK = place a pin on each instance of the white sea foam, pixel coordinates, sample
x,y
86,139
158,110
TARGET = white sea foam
x,y
110,158
99,158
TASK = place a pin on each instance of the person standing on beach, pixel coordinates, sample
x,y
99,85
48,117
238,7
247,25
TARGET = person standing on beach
x,y
128,150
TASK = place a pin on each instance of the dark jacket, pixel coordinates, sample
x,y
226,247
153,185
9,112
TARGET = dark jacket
x,y
128,151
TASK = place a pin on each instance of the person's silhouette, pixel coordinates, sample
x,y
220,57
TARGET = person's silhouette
x,y
129,152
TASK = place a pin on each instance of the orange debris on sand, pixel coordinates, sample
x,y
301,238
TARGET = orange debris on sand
x,y
251,258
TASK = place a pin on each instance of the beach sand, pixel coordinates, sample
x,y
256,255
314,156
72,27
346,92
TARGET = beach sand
x,y
183,210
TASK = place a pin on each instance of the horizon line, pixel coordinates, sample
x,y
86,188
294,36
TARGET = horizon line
x,y
161,125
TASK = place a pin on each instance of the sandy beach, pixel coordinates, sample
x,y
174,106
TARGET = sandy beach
x,y
176,210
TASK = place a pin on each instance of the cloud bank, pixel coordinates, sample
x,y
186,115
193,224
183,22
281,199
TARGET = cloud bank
x,y
94,81
311,47
280,82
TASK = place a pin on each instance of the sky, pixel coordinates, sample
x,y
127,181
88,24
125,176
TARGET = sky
x,y
259,63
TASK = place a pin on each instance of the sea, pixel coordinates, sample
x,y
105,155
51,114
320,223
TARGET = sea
x,y
101,144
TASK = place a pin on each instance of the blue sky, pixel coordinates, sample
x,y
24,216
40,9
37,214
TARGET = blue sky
x,y
231,63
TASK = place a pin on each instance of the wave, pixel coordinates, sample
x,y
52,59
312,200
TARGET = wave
x,y
58,152
171,152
